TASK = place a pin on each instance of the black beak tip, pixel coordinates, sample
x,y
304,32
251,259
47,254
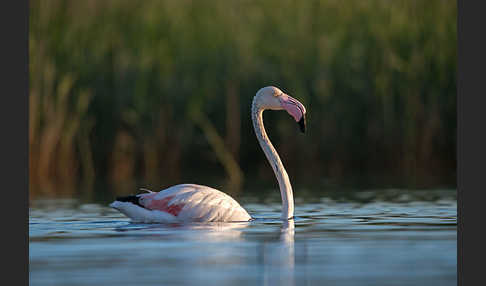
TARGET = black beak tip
x,y
302,124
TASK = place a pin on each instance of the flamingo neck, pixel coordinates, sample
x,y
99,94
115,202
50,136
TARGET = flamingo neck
x,y
274,160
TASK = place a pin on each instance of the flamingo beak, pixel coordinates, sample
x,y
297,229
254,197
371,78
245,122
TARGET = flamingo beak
x,y
295,109
302,123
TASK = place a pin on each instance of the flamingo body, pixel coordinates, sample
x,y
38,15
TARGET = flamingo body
x,y
183,203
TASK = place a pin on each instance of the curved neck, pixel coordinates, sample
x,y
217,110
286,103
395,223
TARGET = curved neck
x,y
274,160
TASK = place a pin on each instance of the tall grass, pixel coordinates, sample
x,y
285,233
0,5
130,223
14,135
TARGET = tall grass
x,y
113,85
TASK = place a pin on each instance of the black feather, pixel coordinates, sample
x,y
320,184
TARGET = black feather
x,y
131,199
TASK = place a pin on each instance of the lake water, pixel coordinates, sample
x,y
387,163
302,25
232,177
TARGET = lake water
x,y
405,240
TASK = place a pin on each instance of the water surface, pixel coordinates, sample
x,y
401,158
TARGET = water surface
x,y
405,241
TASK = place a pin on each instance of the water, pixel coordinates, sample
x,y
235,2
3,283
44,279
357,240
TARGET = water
x,y
403,241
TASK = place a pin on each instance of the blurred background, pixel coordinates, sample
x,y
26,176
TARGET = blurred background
x,y
129,94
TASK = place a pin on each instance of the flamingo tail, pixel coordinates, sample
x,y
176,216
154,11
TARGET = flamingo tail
x,y
134,199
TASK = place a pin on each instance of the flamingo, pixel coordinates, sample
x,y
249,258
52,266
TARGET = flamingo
x,y
197,203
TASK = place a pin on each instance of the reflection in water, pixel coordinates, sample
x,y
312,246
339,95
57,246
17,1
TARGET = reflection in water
x,y
336,244
277,253
279,258
212,231
288,256
219,231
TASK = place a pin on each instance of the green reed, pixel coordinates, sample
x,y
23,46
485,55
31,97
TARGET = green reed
x,y
114,86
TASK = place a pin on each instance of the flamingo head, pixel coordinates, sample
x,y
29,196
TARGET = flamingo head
x,y
273,98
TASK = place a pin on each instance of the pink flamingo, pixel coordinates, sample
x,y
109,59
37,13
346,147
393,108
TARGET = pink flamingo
x,y
196,203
